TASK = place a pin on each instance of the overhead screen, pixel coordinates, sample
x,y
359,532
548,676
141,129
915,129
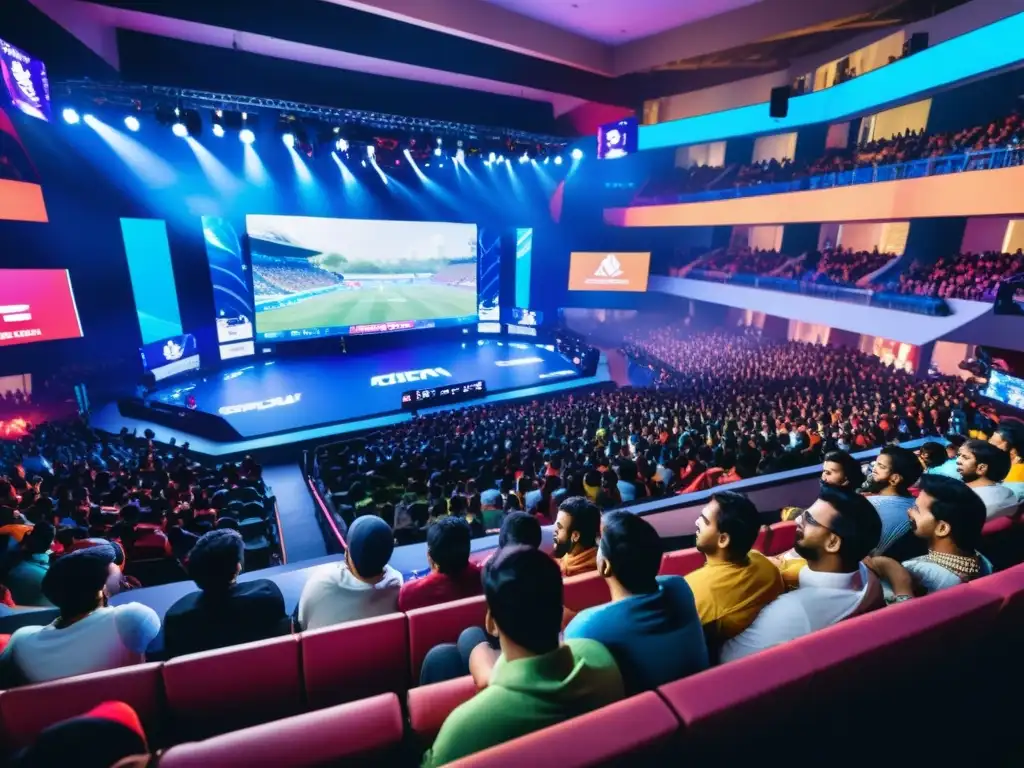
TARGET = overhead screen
x,y
323,277
37,305
595,271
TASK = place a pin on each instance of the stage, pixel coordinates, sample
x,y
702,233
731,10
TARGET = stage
x,y
280,401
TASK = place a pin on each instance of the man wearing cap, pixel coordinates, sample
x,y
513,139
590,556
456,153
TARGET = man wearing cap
x,y
223,611
492,508
89,635
361,586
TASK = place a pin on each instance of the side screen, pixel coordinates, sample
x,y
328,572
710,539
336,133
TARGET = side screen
x,y
37,305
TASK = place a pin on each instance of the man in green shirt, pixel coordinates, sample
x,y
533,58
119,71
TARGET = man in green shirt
x,y
535,682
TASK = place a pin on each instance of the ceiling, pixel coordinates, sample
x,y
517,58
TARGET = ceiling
x,y
614,22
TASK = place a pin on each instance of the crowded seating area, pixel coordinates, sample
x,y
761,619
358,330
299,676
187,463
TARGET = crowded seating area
x,y
832,266
972,276
904,146
66,487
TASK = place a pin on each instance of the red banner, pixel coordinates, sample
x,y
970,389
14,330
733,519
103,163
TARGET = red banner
x,y
37,305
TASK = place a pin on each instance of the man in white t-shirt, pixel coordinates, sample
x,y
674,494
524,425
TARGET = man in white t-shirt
x,y
983,466
833,535
89,635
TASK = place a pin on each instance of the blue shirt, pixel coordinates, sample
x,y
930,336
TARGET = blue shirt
x,y
655,638
893,512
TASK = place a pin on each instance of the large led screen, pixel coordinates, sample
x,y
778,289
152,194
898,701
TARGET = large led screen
x,y
37,305
322,277
21,196
589,271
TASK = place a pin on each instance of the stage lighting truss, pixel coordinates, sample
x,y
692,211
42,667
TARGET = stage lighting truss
x,y
357,127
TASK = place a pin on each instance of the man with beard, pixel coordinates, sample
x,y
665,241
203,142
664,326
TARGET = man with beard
x,y
983,466
735,582
576,530
841,470
949,516
894,471
833,535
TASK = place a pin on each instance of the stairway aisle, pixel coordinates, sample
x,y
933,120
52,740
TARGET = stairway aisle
x,y
301,534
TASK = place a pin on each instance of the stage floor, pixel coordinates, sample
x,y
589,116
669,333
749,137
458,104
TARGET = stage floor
x,y
267,397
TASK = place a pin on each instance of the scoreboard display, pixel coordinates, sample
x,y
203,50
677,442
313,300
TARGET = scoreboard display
x,y
416,399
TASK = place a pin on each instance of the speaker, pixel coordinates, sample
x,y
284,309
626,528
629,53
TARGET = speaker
x,y
917,43
779,106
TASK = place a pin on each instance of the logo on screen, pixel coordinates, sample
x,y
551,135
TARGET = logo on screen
x,y
388,379
173,351
16,313
610,267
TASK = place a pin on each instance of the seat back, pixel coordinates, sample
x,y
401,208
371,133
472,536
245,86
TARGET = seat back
x,y
367,732
440,624
430,705
27,711
782,540
681,562
594,739
355,660
230,688
585,591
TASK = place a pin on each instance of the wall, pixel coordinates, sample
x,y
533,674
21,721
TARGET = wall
x,y
862,60
781,146
766,238
752,90
946,358
814,333
711,154
838,136
978,193
984,234
1014,239
912,117
799,238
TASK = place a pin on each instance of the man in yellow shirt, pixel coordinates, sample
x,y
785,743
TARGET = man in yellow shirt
x,y
735,582
1010,438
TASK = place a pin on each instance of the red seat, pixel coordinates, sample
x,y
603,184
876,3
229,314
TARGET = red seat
x,y
681,562
223,690
367,732
27,711
355,660
637,731
783,538
585,591
429,705
441,624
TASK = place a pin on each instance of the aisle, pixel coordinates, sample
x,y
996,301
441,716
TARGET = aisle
x,y
301,534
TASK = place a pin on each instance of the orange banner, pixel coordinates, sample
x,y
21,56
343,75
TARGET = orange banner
x,y
21,201
590,271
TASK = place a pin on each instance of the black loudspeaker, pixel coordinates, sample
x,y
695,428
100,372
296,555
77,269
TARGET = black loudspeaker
x,y
780,101
917,43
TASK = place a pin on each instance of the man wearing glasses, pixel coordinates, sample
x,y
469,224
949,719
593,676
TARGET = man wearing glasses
x,y
833,535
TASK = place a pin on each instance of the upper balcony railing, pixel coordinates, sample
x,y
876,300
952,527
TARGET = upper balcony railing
x,y
984,160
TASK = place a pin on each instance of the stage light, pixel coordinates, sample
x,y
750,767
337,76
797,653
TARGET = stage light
x,y
246,136
71,116
547,160
577,154
501,159
341,144
179,130
288,139
364,163
131,123
492,158
218,130
524,158
460,157
371,151
437,151
558,160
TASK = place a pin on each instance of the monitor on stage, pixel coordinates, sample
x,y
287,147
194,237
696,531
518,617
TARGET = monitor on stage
x,y
317,277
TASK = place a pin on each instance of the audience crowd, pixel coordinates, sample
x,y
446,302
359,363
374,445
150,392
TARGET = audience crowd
x,y
974,276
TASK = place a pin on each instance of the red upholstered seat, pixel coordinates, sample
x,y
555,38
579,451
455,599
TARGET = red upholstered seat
x,y
637,731
219,691
585,591
681,562
367,732
441,624
26,711
355,660
783,538
429,705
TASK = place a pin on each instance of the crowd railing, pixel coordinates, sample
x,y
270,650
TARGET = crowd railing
x,y
983,160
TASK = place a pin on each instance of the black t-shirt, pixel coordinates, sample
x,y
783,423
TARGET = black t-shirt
x,y
200,621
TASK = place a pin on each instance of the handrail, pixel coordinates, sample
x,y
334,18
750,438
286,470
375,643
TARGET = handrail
x,y
987,159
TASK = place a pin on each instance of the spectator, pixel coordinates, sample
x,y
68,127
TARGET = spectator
x,y
893,473
834,535
536,681
361,586
949,516
651,625
519,529
88,636
452,576
12,523
840,470
491,505
224,611
576,530
936,461
100,738
735,582
983,466
32,562
1009,437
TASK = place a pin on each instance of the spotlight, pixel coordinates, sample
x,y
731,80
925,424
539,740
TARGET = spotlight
x,y
246,136
524,158
577,154
501,159
131,122
364,163
437,149
547,160
179,130
460,157
491,158
558,160
341,145
218,130
288,139
371,151
71,116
